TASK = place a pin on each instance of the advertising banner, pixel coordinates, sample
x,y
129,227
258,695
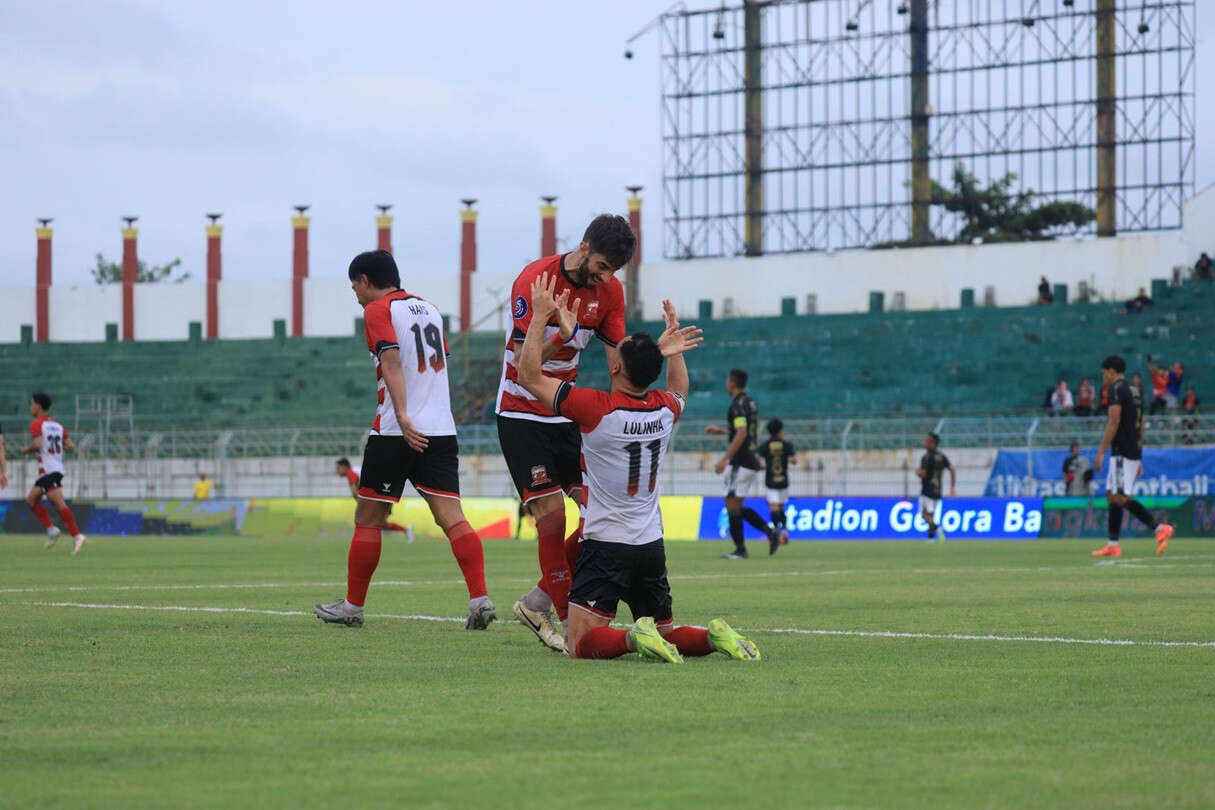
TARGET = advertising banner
x,y
1173,471
886,518
1086,517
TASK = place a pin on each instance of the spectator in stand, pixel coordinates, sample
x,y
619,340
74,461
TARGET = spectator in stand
x,y
1172,397
1160,386
202,487
1045,296
1204,270
1138,303
1103,404
1077,473
1061,401
1084,398
1137,384
1190,403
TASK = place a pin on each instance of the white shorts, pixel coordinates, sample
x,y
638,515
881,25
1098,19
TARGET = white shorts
x,y
740,481
778,495
929,505
1122,475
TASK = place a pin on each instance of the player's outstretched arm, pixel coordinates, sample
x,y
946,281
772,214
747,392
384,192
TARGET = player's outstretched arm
x,y
68,444
673,342
530,358
1111,429
33,447
953,482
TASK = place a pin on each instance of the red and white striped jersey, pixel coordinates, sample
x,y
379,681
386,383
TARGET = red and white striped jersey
x,y
601,315
50,452
415,328
624,440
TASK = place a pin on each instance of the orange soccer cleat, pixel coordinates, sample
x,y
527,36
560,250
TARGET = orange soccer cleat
x,y
1163,532
1108,551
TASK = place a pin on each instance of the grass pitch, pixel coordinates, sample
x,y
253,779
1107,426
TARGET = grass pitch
x,y
128,679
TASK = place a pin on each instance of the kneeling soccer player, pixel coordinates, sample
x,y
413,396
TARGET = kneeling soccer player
x,y
625,434
413,438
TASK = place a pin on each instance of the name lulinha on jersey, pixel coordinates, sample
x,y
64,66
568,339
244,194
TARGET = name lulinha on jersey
x,y
642,428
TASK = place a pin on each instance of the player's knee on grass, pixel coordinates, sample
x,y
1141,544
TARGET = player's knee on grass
x,y
372,513
579,623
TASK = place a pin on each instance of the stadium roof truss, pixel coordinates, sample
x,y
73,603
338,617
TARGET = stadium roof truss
x,y
791,125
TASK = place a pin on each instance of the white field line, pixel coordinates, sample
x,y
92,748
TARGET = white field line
x,y
404,583
888,634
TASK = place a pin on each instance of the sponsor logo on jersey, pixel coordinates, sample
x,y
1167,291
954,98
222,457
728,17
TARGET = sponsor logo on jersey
x,y
540,476
520,306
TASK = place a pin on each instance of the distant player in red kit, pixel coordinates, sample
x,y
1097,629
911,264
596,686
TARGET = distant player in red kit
x,y
49,440
542,448
413,438
344,470
625,435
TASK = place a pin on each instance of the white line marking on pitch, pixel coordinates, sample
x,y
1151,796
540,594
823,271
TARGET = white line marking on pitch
x,y
736,574
891,634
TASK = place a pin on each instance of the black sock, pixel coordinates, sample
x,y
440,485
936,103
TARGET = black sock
x,y
1140,511
1115,522
751,516
736,533
778,516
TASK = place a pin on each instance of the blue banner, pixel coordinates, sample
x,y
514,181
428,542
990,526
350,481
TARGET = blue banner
x,y
885,518
1166,471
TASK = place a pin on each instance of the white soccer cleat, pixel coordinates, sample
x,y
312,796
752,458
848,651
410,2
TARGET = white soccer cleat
x,y
481,614
340,612
52,534
540,623
80,541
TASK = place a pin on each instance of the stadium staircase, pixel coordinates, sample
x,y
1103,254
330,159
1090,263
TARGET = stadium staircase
x,y
914,363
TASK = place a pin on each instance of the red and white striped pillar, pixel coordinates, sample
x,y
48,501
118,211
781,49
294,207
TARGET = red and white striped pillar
x,y
42,273
215,272
632,276
383,228
299,268
130,274
548,227
468,260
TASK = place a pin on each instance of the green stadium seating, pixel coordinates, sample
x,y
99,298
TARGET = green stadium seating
x,y
935,362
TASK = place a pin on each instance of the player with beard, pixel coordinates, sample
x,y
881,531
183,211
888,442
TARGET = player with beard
x,y
543,449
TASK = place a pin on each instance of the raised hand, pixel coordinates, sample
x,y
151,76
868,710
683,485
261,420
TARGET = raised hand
x,y
567,317
543,300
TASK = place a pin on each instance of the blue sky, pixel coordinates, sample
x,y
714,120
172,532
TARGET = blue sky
x,y
169,110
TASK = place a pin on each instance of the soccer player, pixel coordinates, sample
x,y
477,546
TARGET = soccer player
x,y
541,447
202,487
1124,437
625,434
742,429
344,470
931,472
777,454
49,440
3,462
413,438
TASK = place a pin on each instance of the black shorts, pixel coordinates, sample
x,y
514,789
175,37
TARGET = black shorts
x,y
608,573
388,462
50,481
543,457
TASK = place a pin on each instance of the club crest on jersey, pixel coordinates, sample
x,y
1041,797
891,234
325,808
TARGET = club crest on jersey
x,y
592,307
520,306
540,476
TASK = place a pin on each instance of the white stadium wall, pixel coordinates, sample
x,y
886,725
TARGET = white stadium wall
x,y
929,278
16,308
185,302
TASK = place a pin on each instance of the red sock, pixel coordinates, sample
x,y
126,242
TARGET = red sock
x,y
394,527
573,548
361,562
555,572
44,517
69,520
603,642
691,641
466,546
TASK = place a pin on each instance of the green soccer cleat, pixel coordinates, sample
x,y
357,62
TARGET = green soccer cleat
x,y
730,643
649,643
